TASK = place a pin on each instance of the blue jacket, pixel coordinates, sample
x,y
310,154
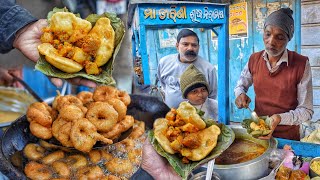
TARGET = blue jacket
x,y
12,18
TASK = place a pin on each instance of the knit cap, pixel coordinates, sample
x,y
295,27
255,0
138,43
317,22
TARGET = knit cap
x,y
283,19
190,79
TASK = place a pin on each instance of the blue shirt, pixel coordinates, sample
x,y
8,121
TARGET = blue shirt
x,y
12,18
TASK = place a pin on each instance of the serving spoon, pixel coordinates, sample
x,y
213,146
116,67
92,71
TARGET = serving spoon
x,y
254,115
210,169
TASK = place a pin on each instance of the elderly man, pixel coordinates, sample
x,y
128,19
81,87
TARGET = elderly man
x,y
172,66
281,78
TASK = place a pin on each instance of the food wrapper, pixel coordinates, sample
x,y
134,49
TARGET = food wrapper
x,y
257,133
105,77
225,139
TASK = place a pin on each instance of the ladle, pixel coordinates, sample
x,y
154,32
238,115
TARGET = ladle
x,y
28,88
254,115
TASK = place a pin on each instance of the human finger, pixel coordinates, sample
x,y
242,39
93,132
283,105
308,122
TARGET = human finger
x,y
266,137
56,81
241,101
82,81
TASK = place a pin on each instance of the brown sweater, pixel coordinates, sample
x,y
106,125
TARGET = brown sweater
x,y
277,92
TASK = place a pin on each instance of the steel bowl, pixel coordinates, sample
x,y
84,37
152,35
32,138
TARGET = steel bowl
x,y
252,169
311,171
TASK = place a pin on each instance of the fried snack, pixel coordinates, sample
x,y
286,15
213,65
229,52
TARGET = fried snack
x,y
84,135
70,43
120,127
189,115
182,132
208,140
67,27
104,32
78,126
102,115
61,168
52,56
257,129
160,127
36,170
33,151
40,112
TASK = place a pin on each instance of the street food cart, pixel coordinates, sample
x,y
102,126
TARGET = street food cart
x,y
154,27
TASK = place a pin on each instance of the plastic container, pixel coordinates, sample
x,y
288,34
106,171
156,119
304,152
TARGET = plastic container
x,y
311,172
202,176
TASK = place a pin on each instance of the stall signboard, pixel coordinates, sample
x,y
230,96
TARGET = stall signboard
x,y
238,20
168,14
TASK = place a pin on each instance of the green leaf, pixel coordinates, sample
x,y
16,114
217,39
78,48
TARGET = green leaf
x,y
106,75
246,124
225,139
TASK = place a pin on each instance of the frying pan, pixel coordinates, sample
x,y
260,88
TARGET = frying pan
x,y
142,107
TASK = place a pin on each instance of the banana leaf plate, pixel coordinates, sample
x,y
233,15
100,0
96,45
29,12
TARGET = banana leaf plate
x,y
225,139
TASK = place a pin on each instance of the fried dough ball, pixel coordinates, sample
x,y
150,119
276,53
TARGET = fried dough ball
x,y
36,171
102,115
89,172
61,168
71,112
110,177
138,129
61,131
50,158
188,114
40,112
119,106
47,146
86,97
40,131
120,127
119,166
84,135
68,27
33,151
61,101
103,93
105,33
124,97
99,155
76,161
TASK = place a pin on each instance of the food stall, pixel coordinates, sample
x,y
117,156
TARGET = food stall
x,y
153,26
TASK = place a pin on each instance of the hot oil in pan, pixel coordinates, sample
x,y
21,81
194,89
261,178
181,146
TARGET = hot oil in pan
x,y
7,116
121,159
240,151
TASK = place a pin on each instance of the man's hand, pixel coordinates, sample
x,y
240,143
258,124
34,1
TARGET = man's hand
x,y
242,101
275,120
28,38
155,165
6,78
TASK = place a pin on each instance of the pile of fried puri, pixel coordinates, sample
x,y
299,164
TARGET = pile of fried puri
x,y
82,120
184,132
70,43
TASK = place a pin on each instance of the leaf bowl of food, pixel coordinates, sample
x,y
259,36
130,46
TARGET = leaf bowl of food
x,y
75,47
186,141
262,127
